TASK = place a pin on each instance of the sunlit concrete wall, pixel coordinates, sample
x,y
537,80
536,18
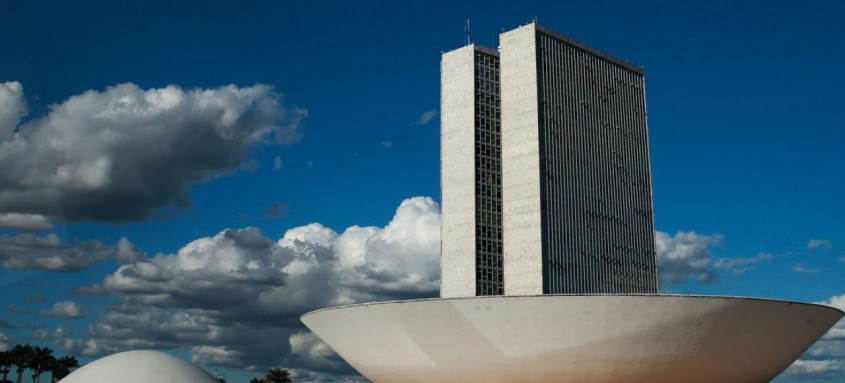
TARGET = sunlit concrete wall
x,y
457,172
521,210
570,338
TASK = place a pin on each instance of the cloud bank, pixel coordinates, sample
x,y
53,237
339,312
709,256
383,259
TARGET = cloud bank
x,y
29,251
235,297
117,154
24,222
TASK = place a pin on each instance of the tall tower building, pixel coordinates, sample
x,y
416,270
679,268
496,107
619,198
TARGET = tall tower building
x,y
471,173
545,173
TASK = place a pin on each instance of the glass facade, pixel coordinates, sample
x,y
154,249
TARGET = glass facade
x,y
597,222
488,176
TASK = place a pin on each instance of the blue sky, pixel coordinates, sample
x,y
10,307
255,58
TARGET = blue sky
x,y
333,132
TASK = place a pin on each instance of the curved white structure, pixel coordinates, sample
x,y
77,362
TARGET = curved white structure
x,y
140,367
573,338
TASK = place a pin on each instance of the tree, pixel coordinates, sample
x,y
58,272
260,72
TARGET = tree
x,y
21,357
277,375
42,361
256,380
5,364
62,367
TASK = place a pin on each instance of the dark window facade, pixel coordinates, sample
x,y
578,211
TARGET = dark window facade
x,y
598,226
488,176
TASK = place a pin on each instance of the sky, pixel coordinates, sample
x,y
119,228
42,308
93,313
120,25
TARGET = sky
x,y
193,177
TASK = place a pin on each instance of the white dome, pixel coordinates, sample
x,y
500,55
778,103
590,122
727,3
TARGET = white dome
x,y
140,366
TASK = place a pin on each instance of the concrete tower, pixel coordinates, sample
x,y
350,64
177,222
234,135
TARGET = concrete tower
x,y
545,183
471,173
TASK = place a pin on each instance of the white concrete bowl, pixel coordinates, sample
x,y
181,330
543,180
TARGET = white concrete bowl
x,y
573,338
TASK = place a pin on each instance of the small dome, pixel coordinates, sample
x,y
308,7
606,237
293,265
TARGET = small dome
x,y
140,367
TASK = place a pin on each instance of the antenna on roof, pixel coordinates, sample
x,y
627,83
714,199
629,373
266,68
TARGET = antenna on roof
x,y
535,20
466,33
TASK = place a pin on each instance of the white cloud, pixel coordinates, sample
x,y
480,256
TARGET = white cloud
x,y
66,309
24,222
685,256
231,297
277,163
308,351
426,117
129,326
819,244
127,252
29,251
830,346
800,269
741,265
117,154
12,108
802,366
309,376
217,356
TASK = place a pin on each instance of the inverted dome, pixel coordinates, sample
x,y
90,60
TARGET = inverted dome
x,y
573,338
140,366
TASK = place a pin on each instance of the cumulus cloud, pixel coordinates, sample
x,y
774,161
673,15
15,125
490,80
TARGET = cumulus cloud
x,y
119,153
66,309
12,108
426,117
29,251
24,222
685,256
819,244
235,297
308,351
310,266
127,252
63,336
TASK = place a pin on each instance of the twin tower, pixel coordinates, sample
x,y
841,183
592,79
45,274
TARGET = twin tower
x,y
545,172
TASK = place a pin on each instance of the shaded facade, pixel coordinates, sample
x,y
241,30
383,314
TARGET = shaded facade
x,y
553,194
